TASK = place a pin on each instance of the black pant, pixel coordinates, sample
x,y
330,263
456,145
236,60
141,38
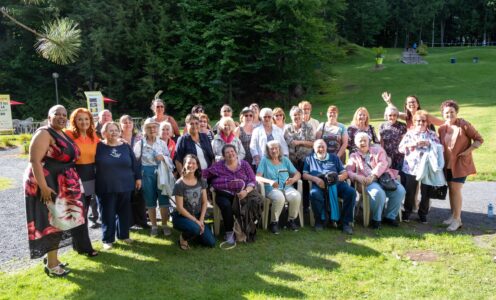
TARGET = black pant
x,y
81,241
224,202
411,185
138,209
95,215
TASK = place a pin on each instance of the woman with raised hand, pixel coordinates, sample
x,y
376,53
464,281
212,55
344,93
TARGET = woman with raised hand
x,y
459,139
190,193
415,144
279,174
366,166
391,132
117,175
226,136
51,180
333,133
360,123
151,151
158,108
82,131
279,117
412,104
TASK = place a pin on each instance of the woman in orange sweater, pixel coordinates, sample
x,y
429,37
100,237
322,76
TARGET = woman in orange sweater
x,y
82,131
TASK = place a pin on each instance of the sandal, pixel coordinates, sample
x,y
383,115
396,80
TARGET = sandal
x,y
183,244
57,271
61,264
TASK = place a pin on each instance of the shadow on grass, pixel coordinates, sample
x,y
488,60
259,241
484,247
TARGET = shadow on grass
x,y
270,267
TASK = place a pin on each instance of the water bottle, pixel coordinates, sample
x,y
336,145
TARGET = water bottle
x,y
490,210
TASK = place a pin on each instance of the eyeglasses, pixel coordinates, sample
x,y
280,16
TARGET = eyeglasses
x,y
246,116
267,117
159,106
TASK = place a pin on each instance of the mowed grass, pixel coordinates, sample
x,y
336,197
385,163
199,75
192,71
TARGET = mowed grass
x,y
305,264
355,82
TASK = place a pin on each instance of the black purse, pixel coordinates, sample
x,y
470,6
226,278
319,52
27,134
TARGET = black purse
x,y
438,192
386,182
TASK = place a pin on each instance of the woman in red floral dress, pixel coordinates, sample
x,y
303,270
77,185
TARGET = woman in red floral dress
x,y
52,191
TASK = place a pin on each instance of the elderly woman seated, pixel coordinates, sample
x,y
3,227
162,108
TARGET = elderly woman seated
x,y
231,178
275,170
226,136
366,166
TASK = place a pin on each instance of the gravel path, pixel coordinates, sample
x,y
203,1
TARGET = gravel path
x,y
14,250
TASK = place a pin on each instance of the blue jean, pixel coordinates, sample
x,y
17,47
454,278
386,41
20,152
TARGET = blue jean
x,y
346,192
377,197
151,193
116,213
191,230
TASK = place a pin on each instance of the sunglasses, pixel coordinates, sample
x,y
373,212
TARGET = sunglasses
x,y
159,106
246,116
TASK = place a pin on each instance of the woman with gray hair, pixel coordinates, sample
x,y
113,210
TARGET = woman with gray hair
x,y
279,174
266,133
226,136
391,132
366,166
151,151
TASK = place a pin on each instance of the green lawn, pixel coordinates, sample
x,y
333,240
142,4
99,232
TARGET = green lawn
x,y
355,83
305,264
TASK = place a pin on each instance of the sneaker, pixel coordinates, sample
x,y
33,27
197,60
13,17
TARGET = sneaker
x,y
154,231
347,229
274,228
128,241
229,238
292,225
107,246
166,230
405,216
374,224
319,227
448,221
422,219
391,222
455,225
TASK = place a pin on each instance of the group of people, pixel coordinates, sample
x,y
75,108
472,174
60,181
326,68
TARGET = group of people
x,y
131,173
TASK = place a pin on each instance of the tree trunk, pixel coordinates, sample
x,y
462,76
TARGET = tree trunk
x,y
396,39
432,41
420,37
407,40
441,32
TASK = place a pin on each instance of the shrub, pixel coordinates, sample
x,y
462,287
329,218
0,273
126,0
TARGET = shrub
x,y
422,50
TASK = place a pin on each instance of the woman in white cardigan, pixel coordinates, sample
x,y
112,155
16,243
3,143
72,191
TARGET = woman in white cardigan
x,y
266,133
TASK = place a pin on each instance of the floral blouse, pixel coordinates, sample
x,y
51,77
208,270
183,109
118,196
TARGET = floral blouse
x,y
413,155
333,136
305,133
353,130
391,135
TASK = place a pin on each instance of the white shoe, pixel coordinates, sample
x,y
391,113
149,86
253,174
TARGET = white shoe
x,y
455,225
448,221
107,246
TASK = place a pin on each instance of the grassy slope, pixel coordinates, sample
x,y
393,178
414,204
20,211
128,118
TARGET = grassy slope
x,y
293,265
355,84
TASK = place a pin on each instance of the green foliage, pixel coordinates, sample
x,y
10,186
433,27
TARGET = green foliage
x,y
422,50
379,52
60,41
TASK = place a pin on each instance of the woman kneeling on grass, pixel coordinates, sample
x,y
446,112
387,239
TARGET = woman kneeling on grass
x,y
191,205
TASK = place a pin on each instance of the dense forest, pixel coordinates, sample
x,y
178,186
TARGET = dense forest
x,y
216,51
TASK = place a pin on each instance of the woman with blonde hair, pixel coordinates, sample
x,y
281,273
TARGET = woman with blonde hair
x,y
360,123
279,117
226,136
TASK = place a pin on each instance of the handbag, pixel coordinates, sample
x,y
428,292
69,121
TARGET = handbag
x,y
386,182
438,192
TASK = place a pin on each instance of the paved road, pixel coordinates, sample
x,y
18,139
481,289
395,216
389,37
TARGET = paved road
x,y
14,250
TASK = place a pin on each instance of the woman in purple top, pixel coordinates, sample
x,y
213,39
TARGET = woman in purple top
x,y
230,177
